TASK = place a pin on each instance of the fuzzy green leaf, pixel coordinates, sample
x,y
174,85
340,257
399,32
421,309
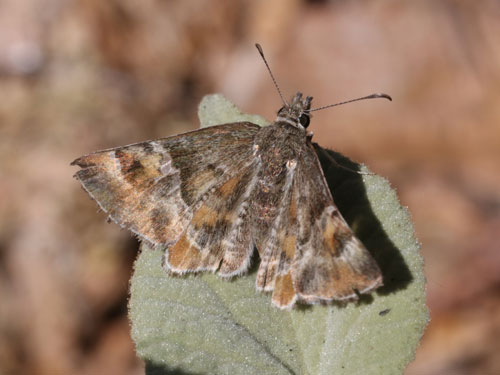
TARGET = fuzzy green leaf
x,y
205,325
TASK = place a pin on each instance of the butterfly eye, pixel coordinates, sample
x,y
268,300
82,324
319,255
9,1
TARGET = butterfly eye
x,y
304,120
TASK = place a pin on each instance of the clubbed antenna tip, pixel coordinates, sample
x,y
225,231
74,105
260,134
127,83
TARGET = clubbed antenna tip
x,y
259,48
372,96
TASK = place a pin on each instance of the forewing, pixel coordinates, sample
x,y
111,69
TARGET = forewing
x,y
330,263
153,188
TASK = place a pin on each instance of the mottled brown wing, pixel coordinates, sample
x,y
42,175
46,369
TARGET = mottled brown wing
x,y
329,263
277,246
218,237
156,188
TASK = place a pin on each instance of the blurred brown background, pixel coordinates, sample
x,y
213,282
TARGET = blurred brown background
x,y
81,75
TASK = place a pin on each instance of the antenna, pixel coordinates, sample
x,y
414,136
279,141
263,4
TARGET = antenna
x,y
372,96
259,48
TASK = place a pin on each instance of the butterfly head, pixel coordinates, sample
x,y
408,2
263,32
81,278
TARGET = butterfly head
x,y
297,112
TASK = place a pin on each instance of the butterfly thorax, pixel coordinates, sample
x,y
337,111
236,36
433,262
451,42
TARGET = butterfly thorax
x,y
297,112
278,148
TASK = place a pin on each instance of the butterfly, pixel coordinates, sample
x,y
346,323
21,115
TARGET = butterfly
x,y
212,196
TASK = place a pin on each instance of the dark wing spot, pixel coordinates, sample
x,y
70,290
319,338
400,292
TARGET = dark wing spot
x,y
341,239
306,281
